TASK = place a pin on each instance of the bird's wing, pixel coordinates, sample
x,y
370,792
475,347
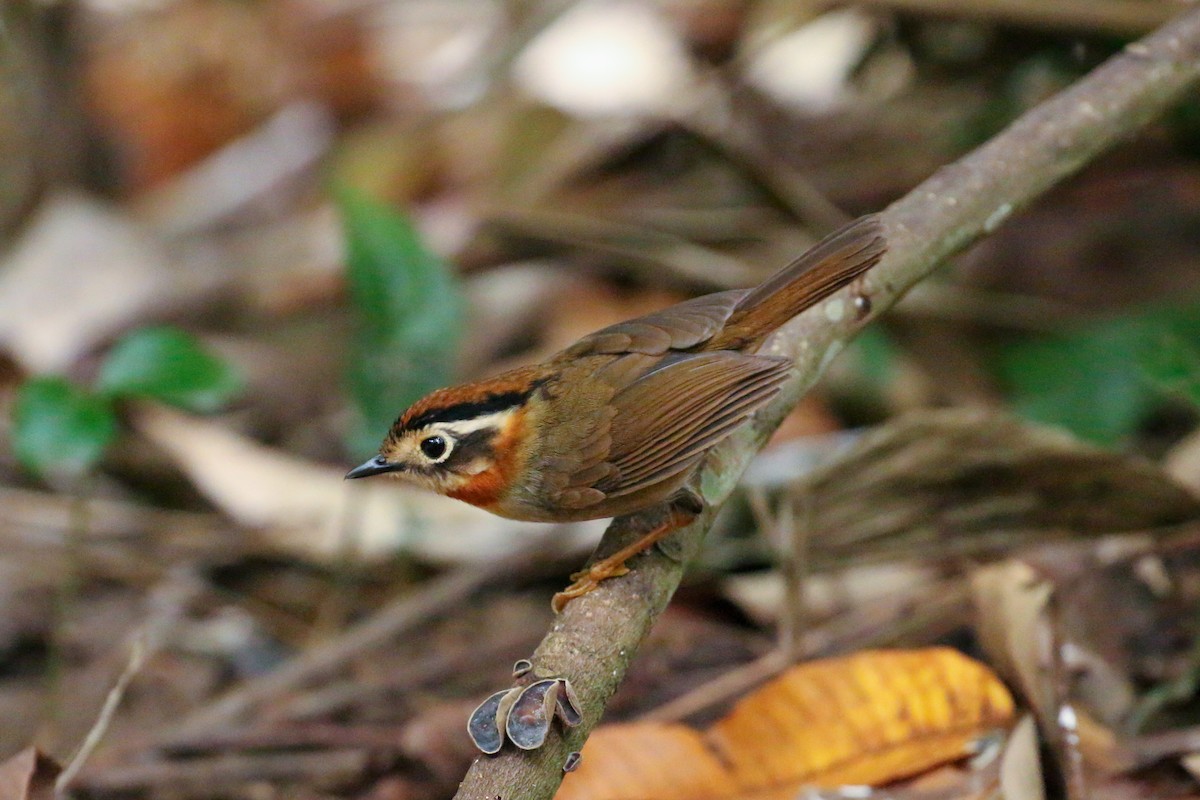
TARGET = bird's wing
x,y
676,328
664,421
678,411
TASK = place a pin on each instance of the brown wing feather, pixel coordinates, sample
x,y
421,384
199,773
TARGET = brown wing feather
x,y
675,413
708,425
699,440
676,328
744,317
828,266
660,424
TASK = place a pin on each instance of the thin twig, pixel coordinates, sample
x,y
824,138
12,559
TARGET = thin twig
x,y
779,525
205,777
886,621
1063,729
1114,17
167,604
793,525
707,112
438,597
65,597
137,657
722,688
624,241
594,640
426,668
294,736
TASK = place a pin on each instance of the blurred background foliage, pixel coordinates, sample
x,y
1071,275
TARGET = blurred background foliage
x,y
238,237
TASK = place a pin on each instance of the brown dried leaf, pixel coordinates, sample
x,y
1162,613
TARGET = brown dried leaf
x,y
301,506
29,775
171,85
1021,764
868,718
51,311
1010,601
1182,462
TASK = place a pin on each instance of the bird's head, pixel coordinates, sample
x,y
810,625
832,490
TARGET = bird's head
x,y
450,439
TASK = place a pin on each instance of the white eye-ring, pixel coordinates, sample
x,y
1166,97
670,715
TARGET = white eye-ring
x,y
436,448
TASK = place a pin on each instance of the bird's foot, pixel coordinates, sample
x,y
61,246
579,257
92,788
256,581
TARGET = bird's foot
x,y
586,580
682,511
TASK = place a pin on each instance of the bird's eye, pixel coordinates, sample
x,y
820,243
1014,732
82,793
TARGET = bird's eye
x,y
434,447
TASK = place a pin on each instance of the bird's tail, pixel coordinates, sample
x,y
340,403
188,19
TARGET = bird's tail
x,y
828,266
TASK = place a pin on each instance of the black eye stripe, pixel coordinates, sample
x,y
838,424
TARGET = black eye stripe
x,y
472,446
459,412
466,411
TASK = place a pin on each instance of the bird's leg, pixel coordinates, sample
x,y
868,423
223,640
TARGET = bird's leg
x,y
683,509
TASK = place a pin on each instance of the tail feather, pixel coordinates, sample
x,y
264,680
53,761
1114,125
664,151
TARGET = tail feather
x,y
828,266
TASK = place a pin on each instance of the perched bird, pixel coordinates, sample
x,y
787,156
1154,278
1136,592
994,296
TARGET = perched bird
x,y
619,421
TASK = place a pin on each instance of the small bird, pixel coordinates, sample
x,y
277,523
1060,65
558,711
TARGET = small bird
x,y
619,421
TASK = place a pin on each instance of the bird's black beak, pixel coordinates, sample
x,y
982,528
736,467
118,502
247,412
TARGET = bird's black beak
x,y
376,466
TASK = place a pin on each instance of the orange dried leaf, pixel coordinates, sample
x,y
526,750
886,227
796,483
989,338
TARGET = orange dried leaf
x,y
658,760
868,718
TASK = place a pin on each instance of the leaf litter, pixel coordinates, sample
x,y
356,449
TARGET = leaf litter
x,y
332,638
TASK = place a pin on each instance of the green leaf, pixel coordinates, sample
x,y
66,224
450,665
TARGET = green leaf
x,y
409,315
59,428
1174,366
169,365
1097,380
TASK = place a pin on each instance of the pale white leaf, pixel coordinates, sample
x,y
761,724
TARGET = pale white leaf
x,y
308,510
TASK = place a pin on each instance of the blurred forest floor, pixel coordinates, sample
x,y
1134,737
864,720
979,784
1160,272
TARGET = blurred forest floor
x,y
238,236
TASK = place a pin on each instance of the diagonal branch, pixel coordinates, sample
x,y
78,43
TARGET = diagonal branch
x,y
596,637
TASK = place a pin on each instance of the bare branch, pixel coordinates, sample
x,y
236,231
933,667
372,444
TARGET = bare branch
x,y
597,635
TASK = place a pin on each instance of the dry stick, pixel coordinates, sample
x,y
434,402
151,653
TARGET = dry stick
x,y
1116,17
385,739
440,596
137,657
707,112
166,603
631,241
1063,730
206,777
781,529
424,669
594,640
881,623
794,529
66,595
